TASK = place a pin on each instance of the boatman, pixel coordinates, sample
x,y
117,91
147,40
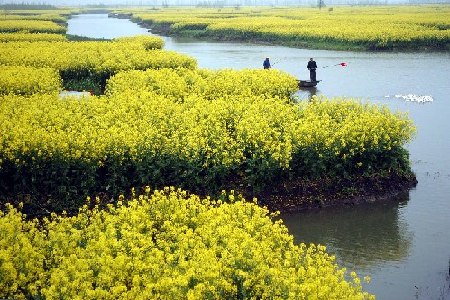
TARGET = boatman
x,y
312,66
266,63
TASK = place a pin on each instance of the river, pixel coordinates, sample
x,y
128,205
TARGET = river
x,y
402,243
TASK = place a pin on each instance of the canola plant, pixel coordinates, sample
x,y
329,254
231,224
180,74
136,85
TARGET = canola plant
x,y
163,122
166,245
356,28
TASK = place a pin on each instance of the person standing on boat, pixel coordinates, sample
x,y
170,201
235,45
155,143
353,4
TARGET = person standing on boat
x,y
266,63
312,66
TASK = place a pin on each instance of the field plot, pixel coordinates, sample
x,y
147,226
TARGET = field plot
x,y
89,64
166,245
355,28
163,122
201,130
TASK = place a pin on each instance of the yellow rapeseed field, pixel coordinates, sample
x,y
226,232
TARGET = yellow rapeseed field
x,y
393,27
164,122
166,245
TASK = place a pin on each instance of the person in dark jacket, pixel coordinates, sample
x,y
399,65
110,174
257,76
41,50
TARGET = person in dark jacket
x,y
312,66
266,63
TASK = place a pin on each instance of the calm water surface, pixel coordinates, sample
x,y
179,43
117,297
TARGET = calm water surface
x,y
403,244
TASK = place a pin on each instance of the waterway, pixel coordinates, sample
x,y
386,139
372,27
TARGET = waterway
x,y
402,243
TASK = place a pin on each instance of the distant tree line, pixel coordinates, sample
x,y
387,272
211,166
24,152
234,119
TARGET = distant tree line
x,y
216,3
26,6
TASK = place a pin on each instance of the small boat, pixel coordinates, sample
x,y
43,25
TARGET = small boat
x,y
308,83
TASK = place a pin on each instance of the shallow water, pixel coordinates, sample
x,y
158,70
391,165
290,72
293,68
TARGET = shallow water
x,y
404,243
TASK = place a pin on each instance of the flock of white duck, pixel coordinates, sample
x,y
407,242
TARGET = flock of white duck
x,y
414,98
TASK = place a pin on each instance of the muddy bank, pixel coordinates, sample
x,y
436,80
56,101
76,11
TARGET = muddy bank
x,y
303,195
292,196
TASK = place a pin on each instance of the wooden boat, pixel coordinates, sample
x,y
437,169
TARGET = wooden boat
x,y
307,83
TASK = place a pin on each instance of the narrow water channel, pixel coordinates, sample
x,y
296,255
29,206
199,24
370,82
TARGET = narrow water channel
x,y
403,243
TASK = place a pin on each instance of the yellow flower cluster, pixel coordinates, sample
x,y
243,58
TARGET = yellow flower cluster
x,y
345,135
348,30
146,41
27,80
372,27
98,128
31,26
197,143
31,37
176,84
57,16
166,245
96,57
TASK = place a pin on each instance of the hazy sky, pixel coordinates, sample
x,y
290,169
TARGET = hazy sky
x,y
230,2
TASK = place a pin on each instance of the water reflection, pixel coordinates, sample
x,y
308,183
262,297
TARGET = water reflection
x,y
306,93
362,236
